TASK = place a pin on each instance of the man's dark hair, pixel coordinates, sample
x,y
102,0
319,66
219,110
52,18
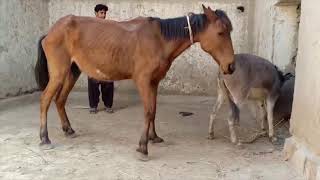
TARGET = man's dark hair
x,y
100,7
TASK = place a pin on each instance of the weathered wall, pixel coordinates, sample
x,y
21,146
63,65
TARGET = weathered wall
x,y
194,71
21,24
274,30
305,121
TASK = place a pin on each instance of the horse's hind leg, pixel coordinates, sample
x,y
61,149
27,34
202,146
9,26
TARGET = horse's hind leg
x,y
58,66
62,96
216,108
46,97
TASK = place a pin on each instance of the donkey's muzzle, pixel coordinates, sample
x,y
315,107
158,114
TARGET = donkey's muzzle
x,y
231,68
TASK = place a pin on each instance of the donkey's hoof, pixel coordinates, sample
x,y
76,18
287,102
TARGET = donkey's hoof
x,y
157,140
273,139
239,145
210,136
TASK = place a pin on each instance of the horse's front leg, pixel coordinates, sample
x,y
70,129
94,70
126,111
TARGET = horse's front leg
x,y
152,132
148,93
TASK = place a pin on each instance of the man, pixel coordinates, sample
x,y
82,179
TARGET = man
x,y
93,85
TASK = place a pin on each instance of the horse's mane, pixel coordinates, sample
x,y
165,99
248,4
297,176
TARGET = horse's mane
x,y
175,28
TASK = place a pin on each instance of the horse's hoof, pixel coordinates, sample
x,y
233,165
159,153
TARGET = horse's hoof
x,y
157,140
73,135
46,145
68,130
141,155
44,141
142,151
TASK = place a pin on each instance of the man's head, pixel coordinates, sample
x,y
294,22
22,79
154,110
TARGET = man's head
x,y
101,11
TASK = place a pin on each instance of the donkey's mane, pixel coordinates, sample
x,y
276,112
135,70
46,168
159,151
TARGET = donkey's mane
x,y
177,28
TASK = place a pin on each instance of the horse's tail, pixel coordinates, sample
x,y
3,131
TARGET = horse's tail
x,y
41,68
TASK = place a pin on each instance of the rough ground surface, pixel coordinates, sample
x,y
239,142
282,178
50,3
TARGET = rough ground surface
x,y
106,143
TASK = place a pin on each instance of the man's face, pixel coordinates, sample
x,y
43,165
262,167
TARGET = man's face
x,y
101,14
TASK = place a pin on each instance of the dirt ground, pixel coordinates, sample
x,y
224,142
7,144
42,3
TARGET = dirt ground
x,y
105,144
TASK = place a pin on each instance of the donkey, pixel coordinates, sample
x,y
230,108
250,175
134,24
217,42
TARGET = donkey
x,y
141,49
256,79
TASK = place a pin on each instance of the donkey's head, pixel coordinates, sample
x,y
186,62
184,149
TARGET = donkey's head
x,y
215,39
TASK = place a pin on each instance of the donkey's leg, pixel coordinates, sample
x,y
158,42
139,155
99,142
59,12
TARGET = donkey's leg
x,y
232,121
262,114
215,109
271,100
148,95
152,132
61,99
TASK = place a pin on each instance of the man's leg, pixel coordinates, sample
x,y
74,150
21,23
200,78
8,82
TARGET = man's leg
x,y
107,89
94,93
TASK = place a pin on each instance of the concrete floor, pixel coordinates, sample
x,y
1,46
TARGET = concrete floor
x,y
106,143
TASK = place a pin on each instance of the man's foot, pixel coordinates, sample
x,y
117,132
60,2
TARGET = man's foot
x,y
109,110
93,110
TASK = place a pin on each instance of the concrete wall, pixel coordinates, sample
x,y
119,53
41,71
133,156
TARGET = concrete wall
x,y
303,149
194,71
274,30
21,24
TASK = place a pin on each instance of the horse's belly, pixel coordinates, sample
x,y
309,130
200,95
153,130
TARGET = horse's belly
x,y
257,93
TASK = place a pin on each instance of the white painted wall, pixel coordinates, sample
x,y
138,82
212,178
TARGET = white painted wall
x,y
274,31
303,148
305,122
21,24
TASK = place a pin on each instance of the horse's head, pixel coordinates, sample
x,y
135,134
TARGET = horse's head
x,y
215,39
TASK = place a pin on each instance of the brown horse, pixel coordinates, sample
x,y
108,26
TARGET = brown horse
x,y
142,49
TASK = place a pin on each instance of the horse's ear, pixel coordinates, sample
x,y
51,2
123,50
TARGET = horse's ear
x,y
209,13
205,10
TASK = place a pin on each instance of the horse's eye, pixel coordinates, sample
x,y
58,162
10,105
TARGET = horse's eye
x,y
220,33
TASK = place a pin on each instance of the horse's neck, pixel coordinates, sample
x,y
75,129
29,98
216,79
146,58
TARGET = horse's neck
x,y
176,47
